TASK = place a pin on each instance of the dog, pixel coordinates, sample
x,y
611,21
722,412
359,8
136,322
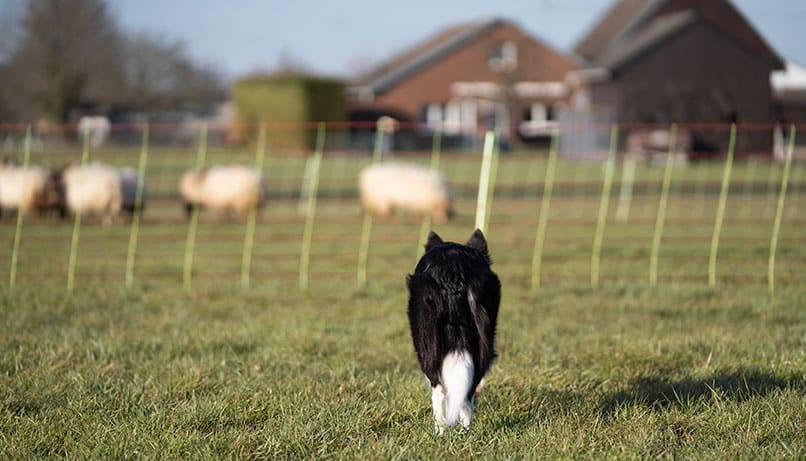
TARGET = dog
x,y
453,309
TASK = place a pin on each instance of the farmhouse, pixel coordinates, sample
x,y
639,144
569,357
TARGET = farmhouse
x,y
663,61
465,80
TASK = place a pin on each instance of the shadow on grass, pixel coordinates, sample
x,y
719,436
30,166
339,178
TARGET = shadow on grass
x,y
659,391
531,407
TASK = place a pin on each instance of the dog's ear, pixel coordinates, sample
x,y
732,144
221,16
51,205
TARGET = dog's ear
x,y
478,242
433,240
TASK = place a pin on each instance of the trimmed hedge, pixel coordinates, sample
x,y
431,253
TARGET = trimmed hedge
x,y
287,99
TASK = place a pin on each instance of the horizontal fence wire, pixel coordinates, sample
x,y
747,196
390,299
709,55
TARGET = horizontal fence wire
x,y
730,217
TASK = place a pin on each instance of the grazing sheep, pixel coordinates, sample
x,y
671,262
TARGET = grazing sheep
x,y
233,188
388,187
22,189
93,189
129,181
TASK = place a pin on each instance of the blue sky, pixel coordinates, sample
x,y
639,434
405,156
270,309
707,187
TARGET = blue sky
x,y
338,38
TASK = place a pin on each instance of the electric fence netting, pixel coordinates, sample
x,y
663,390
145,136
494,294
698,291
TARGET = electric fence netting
x,y
654,214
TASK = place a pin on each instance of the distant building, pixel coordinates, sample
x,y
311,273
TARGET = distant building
x,y
663,61
789,90
465,80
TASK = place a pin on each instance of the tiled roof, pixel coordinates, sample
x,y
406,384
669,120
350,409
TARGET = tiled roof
x,y
612,23
423,54
633,26
613,57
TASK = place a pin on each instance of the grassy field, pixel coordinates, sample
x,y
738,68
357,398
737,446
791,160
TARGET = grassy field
x,y
625,370
620,372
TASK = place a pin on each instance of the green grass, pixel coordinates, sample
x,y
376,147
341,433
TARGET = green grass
x,y
623,371
619,372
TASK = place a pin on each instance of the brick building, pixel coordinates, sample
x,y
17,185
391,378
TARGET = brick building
x,y
465,80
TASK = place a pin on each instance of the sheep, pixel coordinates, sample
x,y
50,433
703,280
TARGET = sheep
x,y
129,181
22,189
228,188
93,189
387,187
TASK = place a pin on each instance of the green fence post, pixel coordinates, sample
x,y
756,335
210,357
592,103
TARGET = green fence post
x,y
436,146
12,276
190,243
310,212
484,181
366,227
71,263
249,234
488,208
663,203
720,211
543,218
138,208
598,237
776,227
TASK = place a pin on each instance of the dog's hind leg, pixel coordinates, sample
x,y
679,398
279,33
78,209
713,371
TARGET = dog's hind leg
x,y
438,404
466,414
476,394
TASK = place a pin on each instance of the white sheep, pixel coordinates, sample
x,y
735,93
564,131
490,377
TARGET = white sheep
x,y
129,181
21,188
93,189
230,188
387,187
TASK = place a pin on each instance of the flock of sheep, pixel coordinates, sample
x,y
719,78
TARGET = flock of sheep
x,y
107,191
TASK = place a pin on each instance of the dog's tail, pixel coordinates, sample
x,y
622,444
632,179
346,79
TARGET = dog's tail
x,y
483,327
457,378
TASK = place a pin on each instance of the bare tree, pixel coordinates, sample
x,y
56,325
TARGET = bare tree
x,y
159,75
69,56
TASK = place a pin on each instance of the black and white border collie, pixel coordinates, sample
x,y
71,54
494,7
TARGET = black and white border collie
x,y
453,307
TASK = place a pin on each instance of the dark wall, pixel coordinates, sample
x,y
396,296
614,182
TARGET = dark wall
x,y
699,76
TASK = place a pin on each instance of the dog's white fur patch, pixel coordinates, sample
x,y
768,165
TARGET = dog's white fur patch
x,y
449,399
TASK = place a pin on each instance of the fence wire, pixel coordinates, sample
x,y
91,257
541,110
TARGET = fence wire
x,y
726,219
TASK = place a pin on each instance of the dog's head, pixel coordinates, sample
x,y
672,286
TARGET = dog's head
x,y
476,241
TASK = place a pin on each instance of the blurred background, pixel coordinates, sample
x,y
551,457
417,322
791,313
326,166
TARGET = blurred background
x,y
517,67
80,80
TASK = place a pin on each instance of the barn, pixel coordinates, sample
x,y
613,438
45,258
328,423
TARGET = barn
x,y
685,61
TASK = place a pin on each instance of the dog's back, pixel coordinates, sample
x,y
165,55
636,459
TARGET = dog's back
x,y
453,307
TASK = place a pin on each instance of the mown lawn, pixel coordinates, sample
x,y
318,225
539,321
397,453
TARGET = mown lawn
x,y
624,371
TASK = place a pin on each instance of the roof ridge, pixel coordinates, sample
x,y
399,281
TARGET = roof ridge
x,y
626,47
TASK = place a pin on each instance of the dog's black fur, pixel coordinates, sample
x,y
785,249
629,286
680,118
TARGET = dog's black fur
x,y
453,305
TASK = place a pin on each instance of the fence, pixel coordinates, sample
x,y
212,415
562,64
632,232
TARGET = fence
x,y
549,219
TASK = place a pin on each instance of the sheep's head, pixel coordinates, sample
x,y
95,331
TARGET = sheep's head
x,y
8,162
191,185
54,193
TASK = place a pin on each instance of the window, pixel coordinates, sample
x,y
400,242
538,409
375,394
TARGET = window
x,y
538,120
453,118
433,115
503,57
538,112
